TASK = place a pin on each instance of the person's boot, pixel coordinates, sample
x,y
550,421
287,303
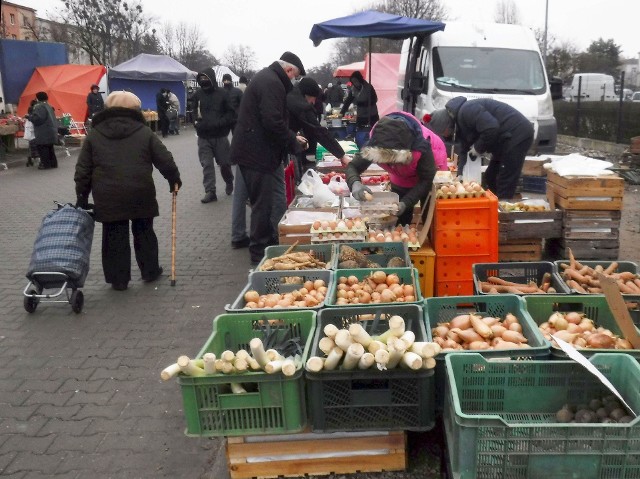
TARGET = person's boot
x,y
29,161
209,197
229,189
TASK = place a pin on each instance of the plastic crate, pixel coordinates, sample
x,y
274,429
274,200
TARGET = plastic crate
x,y
467,214
365,400
379,253
406,275
594,307
454,274
442,310
274,403
520,272
463,241
499,419
534,184
623,267
424,261
323,252
269,282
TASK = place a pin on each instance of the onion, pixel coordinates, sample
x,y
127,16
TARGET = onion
x,y
308,285
392,279
462,321
379,277
573,317
408,290
601,341
251,296
559,322
342,280
351,280
387,296
317,284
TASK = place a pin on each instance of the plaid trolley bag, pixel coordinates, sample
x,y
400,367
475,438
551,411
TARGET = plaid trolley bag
x,y
60,257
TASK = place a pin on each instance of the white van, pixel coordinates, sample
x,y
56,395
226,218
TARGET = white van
x,y
476,60
594,87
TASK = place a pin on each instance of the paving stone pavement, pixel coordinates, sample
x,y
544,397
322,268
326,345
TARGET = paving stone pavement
x,y
81,395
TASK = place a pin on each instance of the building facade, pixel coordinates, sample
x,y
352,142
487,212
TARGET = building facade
x,y
17,22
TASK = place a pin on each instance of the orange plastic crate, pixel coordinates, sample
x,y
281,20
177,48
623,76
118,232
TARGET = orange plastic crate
x,y
460,242
467,213
454,274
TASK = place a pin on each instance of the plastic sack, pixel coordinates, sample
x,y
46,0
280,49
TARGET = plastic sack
x,y
339,186
29,131
313,186
472,170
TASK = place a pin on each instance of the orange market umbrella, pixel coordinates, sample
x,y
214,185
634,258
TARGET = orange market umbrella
x,y
67,87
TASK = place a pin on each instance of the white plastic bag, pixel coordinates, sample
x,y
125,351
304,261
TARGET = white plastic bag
x,y
313,186
339,186
472,170
29,133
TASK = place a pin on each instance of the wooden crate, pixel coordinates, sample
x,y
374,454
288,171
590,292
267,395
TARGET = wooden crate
x,y
294,455
591,249
585,192
523,224
292,238
534,166
525,249
591,225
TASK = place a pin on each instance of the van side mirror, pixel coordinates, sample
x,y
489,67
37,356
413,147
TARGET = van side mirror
x,y
555,86
417,83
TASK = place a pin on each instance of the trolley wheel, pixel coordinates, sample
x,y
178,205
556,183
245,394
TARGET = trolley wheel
x,y
30,303
77,301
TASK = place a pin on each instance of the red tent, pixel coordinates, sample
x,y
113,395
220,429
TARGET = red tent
x,y
67,87
346,71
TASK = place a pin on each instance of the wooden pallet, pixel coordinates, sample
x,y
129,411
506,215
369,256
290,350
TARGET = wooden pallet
x,y
591,225
520,250
607,249
522,224
294,455
585,192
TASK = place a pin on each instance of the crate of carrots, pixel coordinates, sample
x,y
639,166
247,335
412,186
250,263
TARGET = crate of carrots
x,y
581,276
521,278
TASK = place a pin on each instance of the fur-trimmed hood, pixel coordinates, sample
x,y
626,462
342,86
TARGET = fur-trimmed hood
x,y
391,142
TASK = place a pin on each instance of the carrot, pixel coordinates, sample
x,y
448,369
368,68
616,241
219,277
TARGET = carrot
x,y
624,288
595,290
572,260
503,282
573,274
564,265
572,283
633,286
637,282
546,282
625,276
599,268
611,268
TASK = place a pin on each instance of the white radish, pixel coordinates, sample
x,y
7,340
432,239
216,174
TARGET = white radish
x,y
359,335
396,350
428,363
288,367
241,365
326,344
314,364
412,360
253,364
228,356
333,358
366,361
343,339
188,367
382,358
236,388
273,366
330,330
258,352
375,345
169,372
209,363
354,353
396,329
408,338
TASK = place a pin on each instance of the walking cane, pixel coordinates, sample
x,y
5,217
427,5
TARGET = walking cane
x,y
173,234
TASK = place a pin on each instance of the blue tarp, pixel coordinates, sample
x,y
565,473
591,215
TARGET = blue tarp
x,y
146,90
372,24
146,74
18,60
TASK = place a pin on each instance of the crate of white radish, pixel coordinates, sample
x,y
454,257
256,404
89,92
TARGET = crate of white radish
x,y
479,324
370,286
302,289
249,387
371,369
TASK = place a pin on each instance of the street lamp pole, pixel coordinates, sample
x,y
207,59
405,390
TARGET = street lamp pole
x,y
546,19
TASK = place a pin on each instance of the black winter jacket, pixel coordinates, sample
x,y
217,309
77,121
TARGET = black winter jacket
x,y
366,101
45,125
214,114
116,164
303,117
235,96
486,124
262,137
95,103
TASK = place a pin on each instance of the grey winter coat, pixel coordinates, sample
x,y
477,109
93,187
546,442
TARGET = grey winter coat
x,y
44,123
116,165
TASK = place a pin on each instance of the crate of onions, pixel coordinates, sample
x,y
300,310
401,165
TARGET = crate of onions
x,y
371,368
370,286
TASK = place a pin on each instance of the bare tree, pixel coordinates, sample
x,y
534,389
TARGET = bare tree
x,y
186,43
240,58
507,12
423,9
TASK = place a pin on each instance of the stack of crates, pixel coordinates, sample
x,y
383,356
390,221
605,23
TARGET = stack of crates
x,y
464,232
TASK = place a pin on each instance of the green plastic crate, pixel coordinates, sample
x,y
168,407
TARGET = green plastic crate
x,y
274,403
442,310
269,282
594,306
623,267
323,252
379,253
518,272
406,275
499,419
365,400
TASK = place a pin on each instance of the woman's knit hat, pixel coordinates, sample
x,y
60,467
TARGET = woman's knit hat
x,y
123,99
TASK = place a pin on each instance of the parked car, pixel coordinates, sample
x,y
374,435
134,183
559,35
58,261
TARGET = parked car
x,y
635,97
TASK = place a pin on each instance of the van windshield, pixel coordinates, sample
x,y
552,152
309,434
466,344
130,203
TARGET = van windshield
x,y
488,70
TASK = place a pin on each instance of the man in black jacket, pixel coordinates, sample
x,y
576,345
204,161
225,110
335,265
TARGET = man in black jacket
x,y
491,128
214,119
235,94
261,141
94,101
162,105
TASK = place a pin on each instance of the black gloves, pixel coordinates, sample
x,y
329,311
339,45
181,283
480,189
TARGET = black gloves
x,y
172,184
82,202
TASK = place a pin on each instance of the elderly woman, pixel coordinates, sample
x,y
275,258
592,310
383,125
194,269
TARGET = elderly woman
x,y
116,165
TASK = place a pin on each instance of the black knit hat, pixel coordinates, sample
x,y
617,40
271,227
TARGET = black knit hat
x,y
42,96
440,122
294,60
227,76
308,86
